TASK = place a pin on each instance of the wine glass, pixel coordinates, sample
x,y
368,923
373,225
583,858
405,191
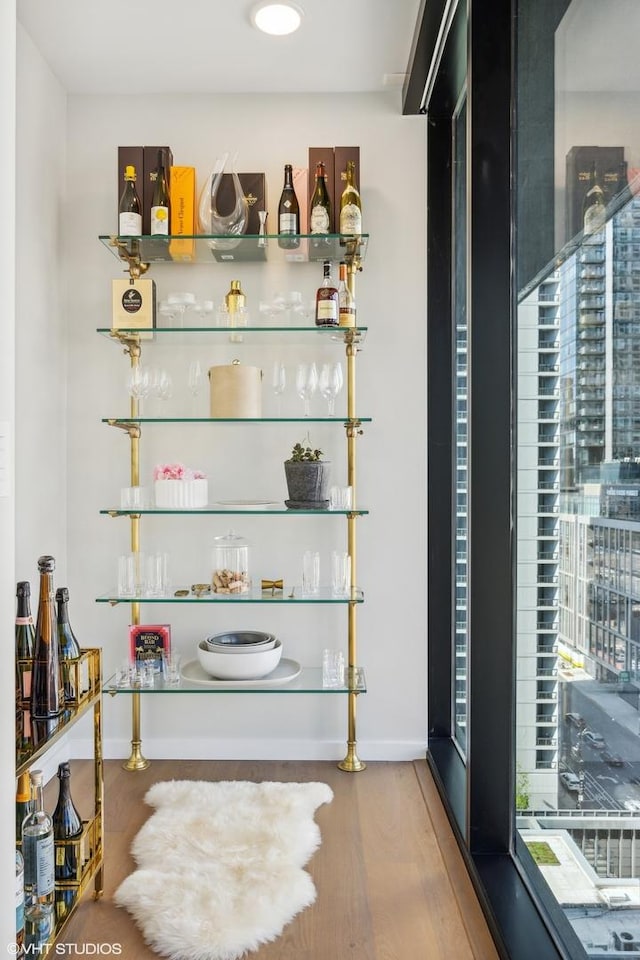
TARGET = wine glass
x,y
194,382
138,384
330,383
278,381
306,384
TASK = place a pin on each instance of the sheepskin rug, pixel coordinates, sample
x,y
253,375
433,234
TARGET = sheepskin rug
x,y
219,865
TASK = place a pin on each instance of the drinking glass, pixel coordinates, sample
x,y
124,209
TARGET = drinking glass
x,y
340,574
278,382
310,573
332,668
330,383
131,575
306,384
194,382
138,384
171,668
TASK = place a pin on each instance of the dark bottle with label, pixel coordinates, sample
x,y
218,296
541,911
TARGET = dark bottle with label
x,y
67,825
47,696
160,203
288,213
25,634
320,207
327,303
68,646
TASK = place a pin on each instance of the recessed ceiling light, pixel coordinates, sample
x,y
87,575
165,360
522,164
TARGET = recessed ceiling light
x,y
277,19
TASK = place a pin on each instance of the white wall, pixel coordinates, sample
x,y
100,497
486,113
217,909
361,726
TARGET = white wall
x,y
267,131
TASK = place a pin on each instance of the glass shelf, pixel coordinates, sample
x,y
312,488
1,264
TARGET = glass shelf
x,y
288,595
117,421
247,248
260,336
309,681
275,510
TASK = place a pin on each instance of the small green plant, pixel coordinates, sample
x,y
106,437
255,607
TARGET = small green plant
x,y
301,454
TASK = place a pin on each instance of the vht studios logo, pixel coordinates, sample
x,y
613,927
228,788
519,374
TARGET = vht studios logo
x,y
70,949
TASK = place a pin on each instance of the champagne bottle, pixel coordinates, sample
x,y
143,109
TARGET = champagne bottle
x,y
67,825
38,851
47,696
25,634
327,307
160,204
320,207
19,951
288,213
23,802
350,205
130,210
346,300
594,207
68,646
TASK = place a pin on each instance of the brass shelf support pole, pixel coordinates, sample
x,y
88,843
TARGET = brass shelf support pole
x,y
98,881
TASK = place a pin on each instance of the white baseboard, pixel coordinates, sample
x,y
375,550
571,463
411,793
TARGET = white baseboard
x,y
253,749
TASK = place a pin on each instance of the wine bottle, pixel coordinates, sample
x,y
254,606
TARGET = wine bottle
x,y
25,634
19,950
67,825
47,696
38,850
320,207
346,300
350,204
130,210
288,213
594,207
327,307
68,646
160,203
23,802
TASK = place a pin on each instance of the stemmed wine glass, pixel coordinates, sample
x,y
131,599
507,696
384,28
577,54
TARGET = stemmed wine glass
x,y
194,382
306,384
331,381
138,384
278,382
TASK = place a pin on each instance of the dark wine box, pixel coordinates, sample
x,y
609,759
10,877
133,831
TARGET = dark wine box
x,y
149,166
612,175
316,154
341,156
133,156
254,188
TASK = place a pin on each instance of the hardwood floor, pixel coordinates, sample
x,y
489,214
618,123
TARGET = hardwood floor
x,y
390,880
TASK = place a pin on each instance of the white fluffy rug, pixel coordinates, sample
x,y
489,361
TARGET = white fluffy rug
x,y
220,865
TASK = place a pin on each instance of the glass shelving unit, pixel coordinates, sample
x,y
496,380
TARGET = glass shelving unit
x,y
261,335
274,510
309,681
289,596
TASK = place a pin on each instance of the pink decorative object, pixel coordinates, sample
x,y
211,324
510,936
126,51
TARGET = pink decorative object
x,y
179,488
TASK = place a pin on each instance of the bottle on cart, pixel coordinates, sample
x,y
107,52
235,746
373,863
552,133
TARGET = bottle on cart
x,y
350,204
288,213
47,696
19,950
129,209
320,207
23,802
160,203
327,306
39,869
25,634
67,825
68,646
346,300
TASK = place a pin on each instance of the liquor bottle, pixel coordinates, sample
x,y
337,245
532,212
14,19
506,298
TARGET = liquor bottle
x,y
320,207
327,307
288,213
129,210
23,802
25,634
67,825
160,206
19,950
38,851
47,696
350,205
594,207
346,300
68,646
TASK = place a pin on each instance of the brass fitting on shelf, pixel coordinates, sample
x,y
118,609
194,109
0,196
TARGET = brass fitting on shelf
x,y
133,429
131,256
354,429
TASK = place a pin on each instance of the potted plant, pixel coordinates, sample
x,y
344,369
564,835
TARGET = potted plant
x,y
307,479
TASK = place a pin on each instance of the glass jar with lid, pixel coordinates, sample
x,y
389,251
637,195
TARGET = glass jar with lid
x,y
230,564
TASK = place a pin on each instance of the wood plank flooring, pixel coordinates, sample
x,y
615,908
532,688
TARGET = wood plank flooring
x,y
390,880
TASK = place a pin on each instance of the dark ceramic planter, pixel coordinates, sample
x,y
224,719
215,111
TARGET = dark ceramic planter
x,y
307,483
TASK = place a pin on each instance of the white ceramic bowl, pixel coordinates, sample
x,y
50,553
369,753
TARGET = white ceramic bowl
x,y
248,666
241,641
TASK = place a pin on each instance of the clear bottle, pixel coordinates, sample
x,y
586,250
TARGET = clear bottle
x,y
19,951
594,207
47,696
350,204
327,306
25,634
346,300
38,852
320,207
67,825
23,802
129,209
68,646
288,213
160,202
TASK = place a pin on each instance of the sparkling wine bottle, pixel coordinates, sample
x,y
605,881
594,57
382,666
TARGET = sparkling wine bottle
x,y
25,634
288,213
23,802
320,207
327,307
350,204
160,204
38,853
47,696
68,646
129,210
67,825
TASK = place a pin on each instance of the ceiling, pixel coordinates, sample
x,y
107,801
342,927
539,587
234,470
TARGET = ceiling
x,y
210,46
